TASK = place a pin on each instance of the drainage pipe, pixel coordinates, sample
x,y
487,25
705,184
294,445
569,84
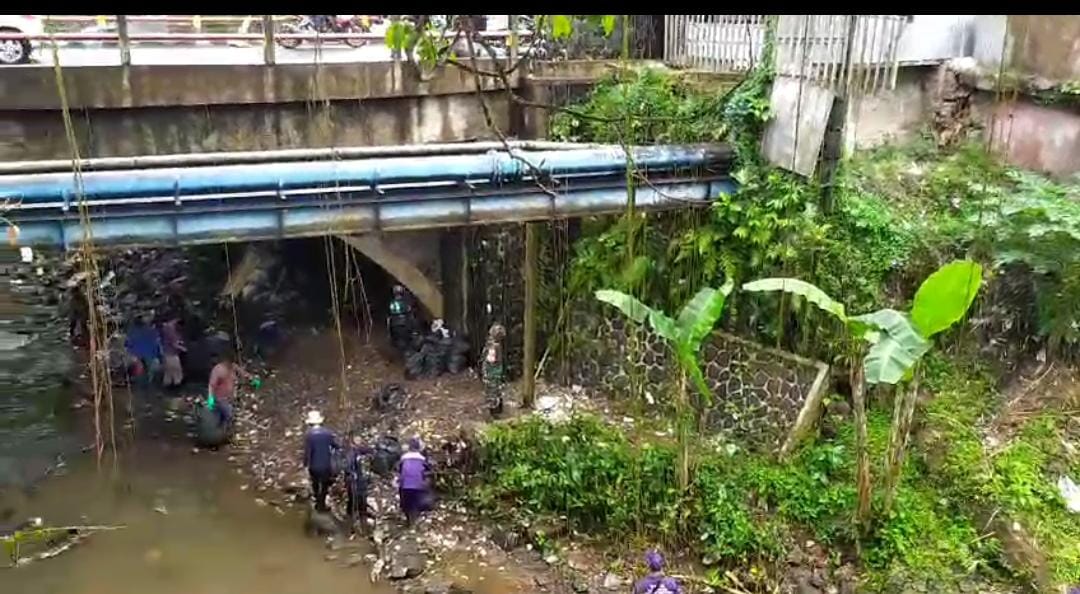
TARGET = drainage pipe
x,y
314,154
494,168
192,224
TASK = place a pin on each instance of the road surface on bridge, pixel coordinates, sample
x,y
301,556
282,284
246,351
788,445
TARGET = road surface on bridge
x,y
160,55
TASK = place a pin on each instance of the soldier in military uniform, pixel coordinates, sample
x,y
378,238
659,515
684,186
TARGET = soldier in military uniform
x,y
401,322
493,370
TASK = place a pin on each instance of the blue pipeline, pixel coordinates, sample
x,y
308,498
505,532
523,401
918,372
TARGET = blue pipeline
x,y
136,225
494,167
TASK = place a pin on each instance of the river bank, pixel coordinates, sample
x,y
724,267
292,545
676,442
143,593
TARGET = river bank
x,y
452,549
452,546
184,524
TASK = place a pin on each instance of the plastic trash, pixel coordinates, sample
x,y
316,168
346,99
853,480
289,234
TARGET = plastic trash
x,y
1070,492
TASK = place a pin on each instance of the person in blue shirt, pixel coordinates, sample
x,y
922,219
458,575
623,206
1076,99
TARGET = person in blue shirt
x,y
144,344
319,446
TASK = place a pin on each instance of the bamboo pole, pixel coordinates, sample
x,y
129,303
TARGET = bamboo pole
x,y
532,256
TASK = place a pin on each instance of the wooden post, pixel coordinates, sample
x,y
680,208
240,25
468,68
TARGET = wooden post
x,y
532,255
268,39
512,40
123,41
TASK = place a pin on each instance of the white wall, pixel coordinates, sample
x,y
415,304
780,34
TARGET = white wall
x,y
932,38
989,32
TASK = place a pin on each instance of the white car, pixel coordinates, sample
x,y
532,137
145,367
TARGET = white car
x,y
17,51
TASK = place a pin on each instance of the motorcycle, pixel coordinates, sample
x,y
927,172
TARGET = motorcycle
x,y
338,23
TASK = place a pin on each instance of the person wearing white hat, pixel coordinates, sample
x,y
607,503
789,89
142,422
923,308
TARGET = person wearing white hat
x,y
319,446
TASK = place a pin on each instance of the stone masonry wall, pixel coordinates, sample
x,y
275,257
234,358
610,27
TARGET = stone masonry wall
x,y
759,392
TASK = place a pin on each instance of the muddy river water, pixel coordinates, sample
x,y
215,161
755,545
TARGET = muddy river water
x,y
189,528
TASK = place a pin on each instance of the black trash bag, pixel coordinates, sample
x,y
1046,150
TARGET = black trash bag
x,y
414,365
457,364
433,363
460,347
387,453
389,397
210,429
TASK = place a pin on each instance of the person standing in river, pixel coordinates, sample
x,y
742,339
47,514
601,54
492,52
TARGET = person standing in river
x,y
413,482
144,345
171,346
221,389
79,316
319,446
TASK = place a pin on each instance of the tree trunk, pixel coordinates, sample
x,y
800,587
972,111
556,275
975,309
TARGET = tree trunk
x,y
862,456
682,418
903,412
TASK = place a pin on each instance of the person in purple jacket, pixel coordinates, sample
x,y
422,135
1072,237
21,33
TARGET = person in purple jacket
x,y
413,488
656,582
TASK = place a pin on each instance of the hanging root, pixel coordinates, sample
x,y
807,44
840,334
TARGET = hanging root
x,y
100,380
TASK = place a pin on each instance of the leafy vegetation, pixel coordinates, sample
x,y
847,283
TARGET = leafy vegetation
x,y
684,335
741,507
658,108
892,218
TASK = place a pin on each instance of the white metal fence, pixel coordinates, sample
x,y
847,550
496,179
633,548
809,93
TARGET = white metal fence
x,y
718,42
850,52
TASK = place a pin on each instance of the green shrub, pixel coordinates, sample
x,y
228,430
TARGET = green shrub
x,y
740,508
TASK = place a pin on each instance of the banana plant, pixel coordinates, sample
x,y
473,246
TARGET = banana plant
x,y
858,332
684,334
897,342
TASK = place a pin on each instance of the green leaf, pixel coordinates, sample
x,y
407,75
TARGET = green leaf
x,y
699,315
609,24
629,305
801,288
637,311
561,26
897,349
945,296
396,35
665,327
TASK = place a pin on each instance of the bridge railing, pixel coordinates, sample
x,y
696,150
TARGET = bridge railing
x,y
126,32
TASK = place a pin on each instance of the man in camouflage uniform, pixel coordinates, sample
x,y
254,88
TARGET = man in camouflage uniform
x,y
493,370
401,321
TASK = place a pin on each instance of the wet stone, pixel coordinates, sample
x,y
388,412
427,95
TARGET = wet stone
x,y
405,559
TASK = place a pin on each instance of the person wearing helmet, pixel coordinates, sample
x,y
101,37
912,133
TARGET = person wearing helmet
x,y
656,582
493,370
400,321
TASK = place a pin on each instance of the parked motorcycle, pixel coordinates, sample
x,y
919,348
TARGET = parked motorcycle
x,y
337,23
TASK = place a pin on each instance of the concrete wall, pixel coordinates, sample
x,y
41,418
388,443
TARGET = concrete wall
x,y
1032,44
159,110
929,38
1046,45
146,110
896,115
29,135
1033,136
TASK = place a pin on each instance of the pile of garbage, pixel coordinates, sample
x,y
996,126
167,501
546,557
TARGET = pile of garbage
x,y
439,352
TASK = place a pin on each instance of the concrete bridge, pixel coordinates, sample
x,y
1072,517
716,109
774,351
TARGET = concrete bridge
x,y
185,154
